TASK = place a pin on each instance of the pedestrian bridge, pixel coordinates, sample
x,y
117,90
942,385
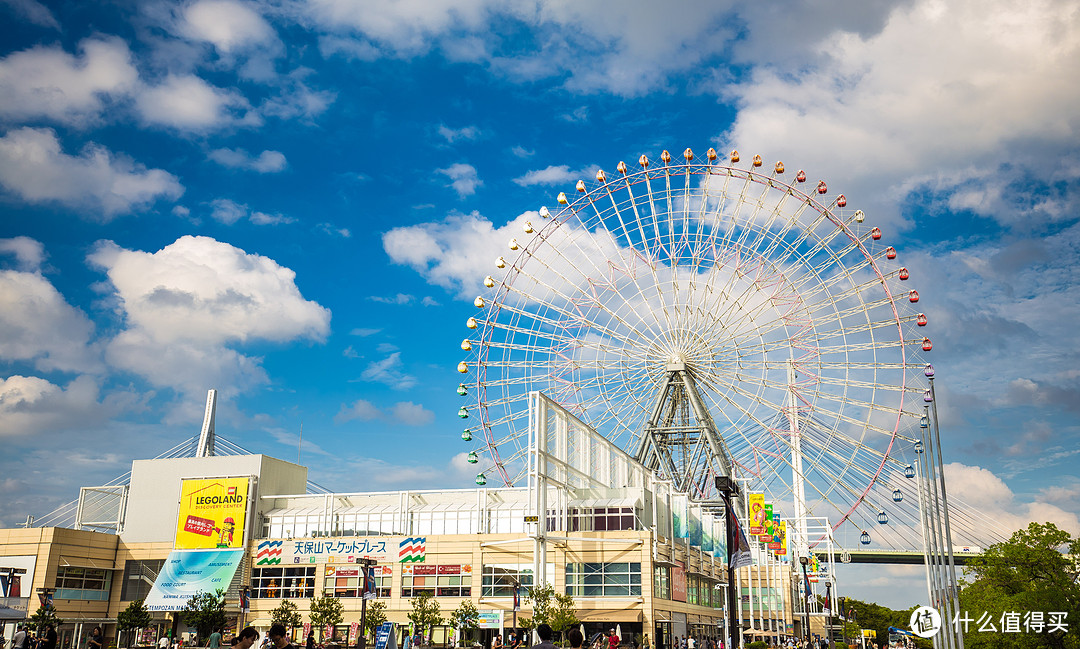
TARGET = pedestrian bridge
x,y
896,557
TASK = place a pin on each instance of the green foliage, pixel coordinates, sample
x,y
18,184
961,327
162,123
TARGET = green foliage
x,y
286,614
44,615
326,610
135,616
557,610
376,615
464,618
1028,573
874,616
757,644
425,615
205,612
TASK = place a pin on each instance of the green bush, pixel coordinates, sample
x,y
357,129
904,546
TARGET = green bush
x,y
757,644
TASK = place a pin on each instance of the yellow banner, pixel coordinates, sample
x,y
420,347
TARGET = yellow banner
x,y
757,513
212,513
782,552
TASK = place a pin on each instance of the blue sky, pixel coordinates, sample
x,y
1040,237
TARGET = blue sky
x,y
292,202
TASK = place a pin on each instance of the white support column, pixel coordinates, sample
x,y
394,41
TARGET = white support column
x,y
798,490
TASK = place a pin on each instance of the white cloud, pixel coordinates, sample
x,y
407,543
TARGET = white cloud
x,y
463,178
987,494
29,253
37,325
227,24
388,372
402,412
454,253
97,181
555,175
364,332
399,299
465,133
411,414
52,84
266,162
359,409
34,12
188,103
521,151
30,405
960,95
229,212
186,303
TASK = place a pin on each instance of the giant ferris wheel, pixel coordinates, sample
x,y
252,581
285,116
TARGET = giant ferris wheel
x,y
711,316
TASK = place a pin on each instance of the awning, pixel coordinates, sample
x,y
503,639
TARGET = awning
x,y
86,562
186,573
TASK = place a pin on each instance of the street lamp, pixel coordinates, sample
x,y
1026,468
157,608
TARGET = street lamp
x,y
828,610
728,488
806,600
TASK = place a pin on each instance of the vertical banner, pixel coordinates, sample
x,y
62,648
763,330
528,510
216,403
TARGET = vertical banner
x,y
774,542
720,537
695,525
212,513
329,630
757,513
783,540
354,628
307,631
707,533
767,524
680,524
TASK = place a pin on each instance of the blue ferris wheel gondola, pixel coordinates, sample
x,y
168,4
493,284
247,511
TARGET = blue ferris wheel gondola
x,y
897,496
909,471
864,538
883,518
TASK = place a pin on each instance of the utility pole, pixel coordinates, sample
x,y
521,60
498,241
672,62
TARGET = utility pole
x,y
369,593
728,488
806,598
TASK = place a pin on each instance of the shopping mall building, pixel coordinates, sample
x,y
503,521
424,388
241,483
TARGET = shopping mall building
x,y
634,554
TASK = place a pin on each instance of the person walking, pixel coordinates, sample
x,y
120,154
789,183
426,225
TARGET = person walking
x,y
214,642
96,641
576,639
612,639
278,638
19,640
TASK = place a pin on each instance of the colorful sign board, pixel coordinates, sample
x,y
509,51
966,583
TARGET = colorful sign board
x,y
189,572
489,620
212,513
757,513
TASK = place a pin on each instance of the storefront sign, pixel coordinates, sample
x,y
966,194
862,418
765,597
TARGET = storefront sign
x,y
189,572
489,620
212,513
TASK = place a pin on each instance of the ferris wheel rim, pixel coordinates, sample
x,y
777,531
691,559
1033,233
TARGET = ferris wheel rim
x,y
644,177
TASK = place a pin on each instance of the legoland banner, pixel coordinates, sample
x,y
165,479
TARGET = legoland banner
x,y
212,513
189,572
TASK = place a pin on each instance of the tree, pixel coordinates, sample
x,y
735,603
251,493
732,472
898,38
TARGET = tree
x,y
286,614
874,616
1029,573
464,618
206,612
45,615
135,616
557,610
425,614
376,615
326,610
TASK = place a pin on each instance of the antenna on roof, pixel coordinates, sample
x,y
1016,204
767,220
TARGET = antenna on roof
x,y
206,437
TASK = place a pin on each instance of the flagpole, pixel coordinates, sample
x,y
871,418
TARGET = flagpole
x,y
727,488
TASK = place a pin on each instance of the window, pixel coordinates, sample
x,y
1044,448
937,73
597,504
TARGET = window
x,y
662,582
82,583
278,583
465,521
438,581
347,581
603,579
498,579
601,519
139,577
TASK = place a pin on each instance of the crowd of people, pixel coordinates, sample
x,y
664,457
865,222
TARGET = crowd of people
x,y
25,638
